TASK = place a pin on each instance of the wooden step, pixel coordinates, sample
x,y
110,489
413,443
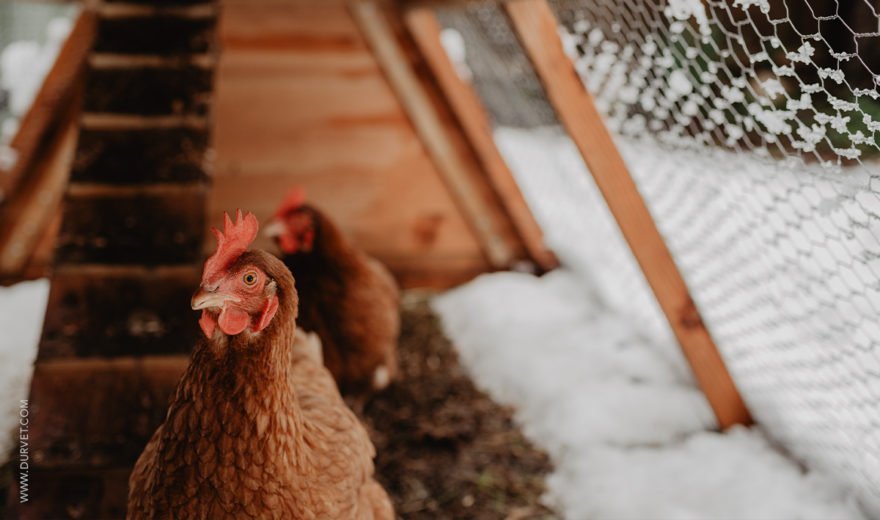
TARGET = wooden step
x,y
126,122
162,34
75,494
141,156
182,89
151,225
98,413
158,2
100,311
118,10
109,61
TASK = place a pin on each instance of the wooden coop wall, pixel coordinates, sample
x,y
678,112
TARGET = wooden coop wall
x,y
301,100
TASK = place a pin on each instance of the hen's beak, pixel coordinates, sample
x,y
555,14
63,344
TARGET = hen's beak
x,y
204,299
274,229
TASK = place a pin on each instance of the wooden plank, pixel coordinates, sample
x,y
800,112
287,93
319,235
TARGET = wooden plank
x,y
27,215
140,156
270,26
150,90
137,225
109,61
425,31
536,27
98,412
322,116
40,263
99,310
114,10
122,122
445,145
168,35
73,494
56,90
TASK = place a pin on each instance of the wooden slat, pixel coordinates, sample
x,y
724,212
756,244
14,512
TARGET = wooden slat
x,y
134,225
109,61
140,156
55,92
536,27
96,412
194,11
99,310
25,217
168,35
425,31
117,122
75,494
40,263
149,91
442,144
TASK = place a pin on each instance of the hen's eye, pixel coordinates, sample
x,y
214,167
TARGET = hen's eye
x,y
250,278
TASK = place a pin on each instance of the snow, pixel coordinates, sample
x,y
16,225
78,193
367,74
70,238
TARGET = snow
x,y
782,261
629,434
22,307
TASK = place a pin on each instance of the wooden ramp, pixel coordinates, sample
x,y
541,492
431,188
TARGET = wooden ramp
x,y
127,256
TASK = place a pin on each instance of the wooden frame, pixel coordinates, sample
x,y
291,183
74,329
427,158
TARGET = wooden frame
x,y
425,31
29,216
448,145
536,27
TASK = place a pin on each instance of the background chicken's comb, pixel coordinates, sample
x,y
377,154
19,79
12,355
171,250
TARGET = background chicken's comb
x,y
231,243
295,198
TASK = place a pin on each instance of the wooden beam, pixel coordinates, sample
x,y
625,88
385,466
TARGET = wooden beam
x,y
441,144
57,88
425,31
536,27
39,265
28,215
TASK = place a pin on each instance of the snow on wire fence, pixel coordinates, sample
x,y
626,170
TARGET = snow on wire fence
x,y
751,128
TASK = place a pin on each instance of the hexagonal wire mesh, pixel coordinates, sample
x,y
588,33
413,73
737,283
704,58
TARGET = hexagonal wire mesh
x,y
751,128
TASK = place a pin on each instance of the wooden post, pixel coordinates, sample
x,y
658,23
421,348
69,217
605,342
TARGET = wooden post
x,y
35,205
446,149
536,28
425,31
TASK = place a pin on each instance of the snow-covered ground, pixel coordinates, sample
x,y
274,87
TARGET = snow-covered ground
x,y
781,261
22,307
629,435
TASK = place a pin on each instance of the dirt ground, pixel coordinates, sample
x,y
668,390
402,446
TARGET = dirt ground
x,y
445,450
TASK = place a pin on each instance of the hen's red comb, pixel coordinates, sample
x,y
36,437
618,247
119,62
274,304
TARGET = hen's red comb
x,y
292,201
231,243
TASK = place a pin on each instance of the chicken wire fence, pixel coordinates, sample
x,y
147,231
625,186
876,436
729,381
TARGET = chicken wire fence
x,y
751,128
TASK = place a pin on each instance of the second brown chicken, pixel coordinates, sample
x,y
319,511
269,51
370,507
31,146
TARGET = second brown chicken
x,y
348,298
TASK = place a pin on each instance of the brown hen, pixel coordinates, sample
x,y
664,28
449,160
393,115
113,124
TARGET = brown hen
x,y
348,298
256,427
